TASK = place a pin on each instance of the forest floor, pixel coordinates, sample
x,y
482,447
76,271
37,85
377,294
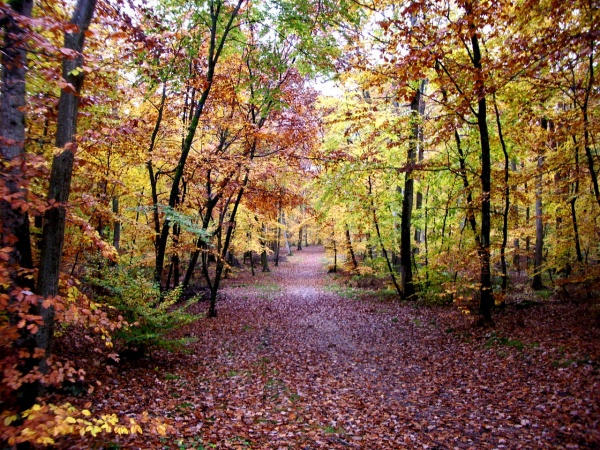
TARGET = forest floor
x,y
298,360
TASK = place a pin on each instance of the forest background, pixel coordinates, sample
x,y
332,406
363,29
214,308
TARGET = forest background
x,y
149,149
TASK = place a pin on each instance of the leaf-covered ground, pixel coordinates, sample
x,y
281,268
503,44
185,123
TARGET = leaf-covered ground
x,y
297,361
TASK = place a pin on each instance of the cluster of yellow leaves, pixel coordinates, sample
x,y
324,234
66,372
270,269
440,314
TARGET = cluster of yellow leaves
x,y
41,424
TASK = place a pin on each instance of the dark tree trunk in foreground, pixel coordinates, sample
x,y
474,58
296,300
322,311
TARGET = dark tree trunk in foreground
x,y
14,227
485,289
60,178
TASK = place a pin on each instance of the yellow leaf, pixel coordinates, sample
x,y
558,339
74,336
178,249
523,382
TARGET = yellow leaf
x,y
70,420
86,413
10,419
45,440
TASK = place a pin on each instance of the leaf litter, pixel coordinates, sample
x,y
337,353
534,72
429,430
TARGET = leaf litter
x,y
291,364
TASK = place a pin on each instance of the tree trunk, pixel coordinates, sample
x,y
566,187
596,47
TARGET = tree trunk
x,y
116,225
154,177
299,239
574,196
406,260
278,243
264,260
334,257
214,286
288,247
14,227
383,249
485,290
350,248
539,225
60,178
587,137
506,199
539,234
216,45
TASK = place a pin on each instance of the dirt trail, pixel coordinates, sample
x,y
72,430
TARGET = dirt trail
x,y
294,361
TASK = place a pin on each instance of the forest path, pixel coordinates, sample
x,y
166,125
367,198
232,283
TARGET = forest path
x,y
297,360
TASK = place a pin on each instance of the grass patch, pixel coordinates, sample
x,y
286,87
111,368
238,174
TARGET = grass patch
x,y
194,443
172,376
268,288
496,340
417,322
345,291
333,430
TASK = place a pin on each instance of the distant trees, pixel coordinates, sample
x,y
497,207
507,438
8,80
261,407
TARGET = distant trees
x,y
495,82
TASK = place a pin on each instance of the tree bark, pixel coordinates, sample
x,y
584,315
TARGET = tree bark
x,y
350,248
216,45
539,223
406,260
278,243
485,290
60,179
264,260
299,246
288,248
116,225
14,228
506,199
574,196
383,249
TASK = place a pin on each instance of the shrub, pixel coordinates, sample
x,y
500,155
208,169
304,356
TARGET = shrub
x,y
150,316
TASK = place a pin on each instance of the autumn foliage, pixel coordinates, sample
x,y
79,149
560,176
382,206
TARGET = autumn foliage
x,y
443,153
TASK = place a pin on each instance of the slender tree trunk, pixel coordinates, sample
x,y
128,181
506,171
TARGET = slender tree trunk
x,y
201,242
539,222
425,235
153,177
516,242
334,257
572,203
463,175
299,246
264,260
383,249
369,246
278,243
487,300
116,225
350,248
586,126
506,199
216,44
60,179
288,247
539,230
214,286
408,287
